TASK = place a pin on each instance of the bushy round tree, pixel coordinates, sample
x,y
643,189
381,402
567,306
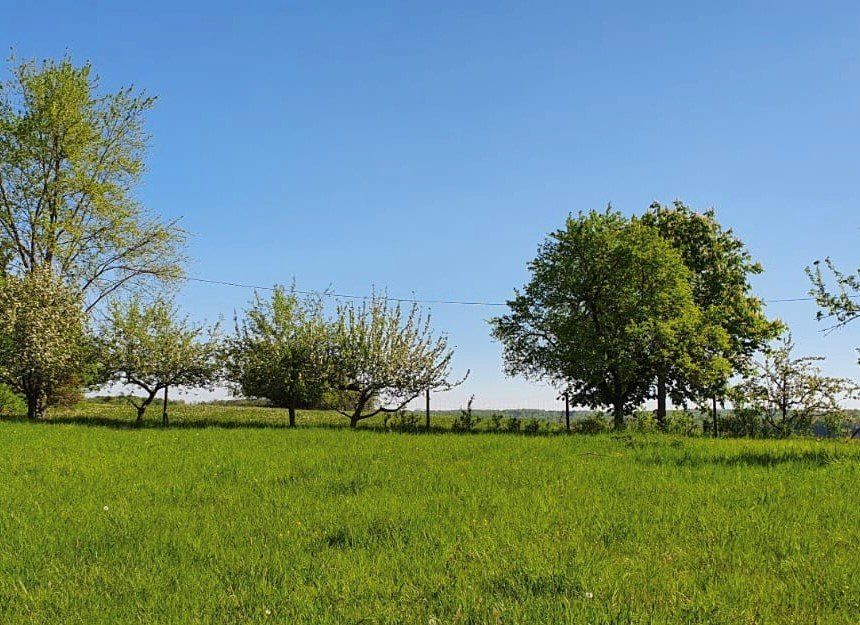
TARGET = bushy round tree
x,y
609,303
43,336
281,351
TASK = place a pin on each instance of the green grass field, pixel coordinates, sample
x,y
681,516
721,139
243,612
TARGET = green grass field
x,y
245,521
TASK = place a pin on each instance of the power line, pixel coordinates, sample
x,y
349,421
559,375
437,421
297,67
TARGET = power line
x,y
409,300
412,300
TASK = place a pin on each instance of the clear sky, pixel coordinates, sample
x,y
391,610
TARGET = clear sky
x,y
427,148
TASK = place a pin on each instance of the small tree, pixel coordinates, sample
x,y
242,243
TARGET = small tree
x,y
43,337
608,305
149,346
281,351
788,394
387,357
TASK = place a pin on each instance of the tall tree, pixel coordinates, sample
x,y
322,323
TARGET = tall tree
x,y
149,346
281,351
386,357
608,302
70,158
43,336
789,393
720,267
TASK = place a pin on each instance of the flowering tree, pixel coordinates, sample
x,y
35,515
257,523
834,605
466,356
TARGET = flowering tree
x,y
43,337
788,394
387,357
149,346
281,351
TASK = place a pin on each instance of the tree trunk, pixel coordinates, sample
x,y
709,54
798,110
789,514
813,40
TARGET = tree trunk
x,y
359,408
164,420
618,415
292,411
427,410
714,414
661,401
567,412
33,405
143,406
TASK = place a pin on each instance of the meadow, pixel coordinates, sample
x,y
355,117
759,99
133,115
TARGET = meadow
x,y
229,517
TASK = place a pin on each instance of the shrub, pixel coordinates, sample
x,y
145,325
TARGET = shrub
x,y
466,421
512,425
590,425
742,422
10,402
682,422
402,421
643,421
532,426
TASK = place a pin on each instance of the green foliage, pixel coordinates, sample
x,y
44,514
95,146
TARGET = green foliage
x,y
512,424
149,346
495,422
401,421
43,336
789,394
595,424
681,422
743,421
532,426
455,529
387,356
642,421
466,421
282,350
732,326
608,304
11,403
70,159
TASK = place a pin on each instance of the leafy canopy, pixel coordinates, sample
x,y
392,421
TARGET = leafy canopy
x,y
70,159
281,350
608,302
734,325
43,336
148,345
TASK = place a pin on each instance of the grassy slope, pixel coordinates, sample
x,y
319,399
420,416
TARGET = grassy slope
x,y
324,525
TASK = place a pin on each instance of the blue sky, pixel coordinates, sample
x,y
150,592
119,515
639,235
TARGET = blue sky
x,y
427,148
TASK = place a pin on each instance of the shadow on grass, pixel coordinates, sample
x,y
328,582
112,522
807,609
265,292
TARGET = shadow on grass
x,y
809,457
250,423
150,424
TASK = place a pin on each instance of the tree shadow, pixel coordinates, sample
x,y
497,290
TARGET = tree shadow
x,y
183,423
775,458
149,424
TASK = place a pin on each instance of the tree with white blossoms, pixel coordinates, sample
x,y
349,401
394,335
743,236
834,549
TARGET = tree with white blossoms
x,y
387,357
789,394
148,345
43,336
281,351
